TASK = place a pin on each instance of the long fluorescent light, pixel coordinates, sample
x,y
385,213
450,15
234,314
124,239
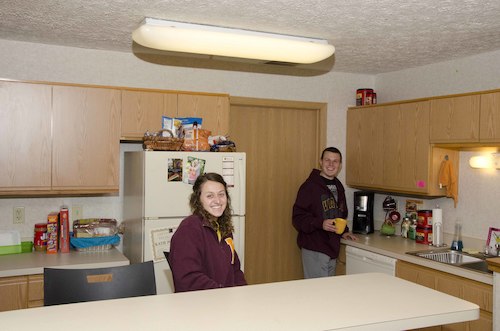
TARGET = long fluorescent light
x,y
490,161
212,40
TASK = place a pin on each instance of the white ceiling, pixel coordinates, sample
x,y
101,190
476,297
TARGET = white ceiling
x,y
370,36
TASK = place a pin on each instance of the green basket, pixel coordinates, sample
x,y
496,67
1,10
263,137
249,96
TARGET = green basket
x,y
12,249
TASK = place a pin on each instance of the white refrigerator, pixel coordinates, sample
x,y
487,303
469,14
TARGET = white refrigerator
x,y
156,191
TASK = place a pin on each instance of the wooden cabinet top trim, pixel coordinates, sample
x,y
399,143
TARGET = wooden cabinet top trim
x,y
426,99
122,88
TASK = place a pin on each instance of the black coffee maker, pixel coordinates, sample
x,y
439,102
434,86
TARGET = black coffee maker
x,y
362,221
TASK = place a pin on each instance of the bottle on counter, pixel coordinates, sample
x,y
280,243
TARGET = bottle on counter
x,y
457,243
412,231
405,227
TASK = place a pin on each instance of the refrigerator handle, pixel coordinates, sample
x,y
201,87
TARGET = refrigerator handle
x,y
241,179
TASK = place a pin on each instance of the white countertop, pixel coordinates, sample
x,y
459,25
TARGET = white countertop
x,y
369,301
33,263
397,246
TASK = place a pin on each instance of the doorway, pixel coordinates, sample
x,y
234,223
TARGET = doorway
x,y
283,141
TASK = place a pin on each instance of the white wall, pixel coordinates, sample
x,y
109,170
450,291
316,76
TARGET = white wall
x,y
478,189
27,61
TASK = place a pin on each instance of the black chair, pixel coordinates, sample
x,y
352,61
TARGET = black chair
x,y
63,286
167,254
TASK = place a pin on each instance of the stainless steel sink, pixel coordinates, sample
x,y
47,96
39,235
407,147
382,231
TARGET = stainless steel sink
x,y
456,258
450,257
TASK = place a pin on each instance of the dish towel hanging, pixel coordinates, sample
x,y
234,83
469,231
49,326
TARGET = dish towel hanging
x,y
448,178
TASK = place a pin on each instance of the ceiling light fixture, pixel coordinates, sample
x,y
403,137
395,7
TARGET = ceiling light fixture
x,y
213,40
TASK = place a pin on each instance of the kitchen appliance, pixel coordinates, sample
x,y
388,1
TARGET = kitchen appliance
x,y
157,187
361,261
362,221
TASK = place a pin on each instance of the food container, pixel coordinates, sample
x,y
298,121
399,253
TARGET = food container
x,y
40,238
94,227
424,235
10,242
424,218
96,244
364,96
26,246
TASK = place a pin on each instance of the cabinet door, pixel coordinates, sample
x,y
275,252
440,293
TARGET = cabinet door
x,y
364,147
214,110
35,291
25,114
455,119
490,117
13,293
340,268
86,139
407,151
416,274
142,111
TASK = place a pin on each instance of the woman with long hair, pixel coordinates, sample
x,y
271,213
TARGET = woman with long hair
x,y
202,254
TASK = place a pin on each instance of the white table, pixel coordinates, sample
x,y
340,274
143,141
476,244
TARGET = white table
x,y
356,302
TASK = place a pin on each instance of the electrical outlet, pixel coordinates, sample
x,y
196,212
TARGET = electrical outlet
x,y
76,212
18,215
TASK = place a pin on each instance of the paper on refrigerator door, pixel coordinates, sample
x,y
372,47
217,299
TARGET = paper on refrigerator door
x,y
160,242
228,170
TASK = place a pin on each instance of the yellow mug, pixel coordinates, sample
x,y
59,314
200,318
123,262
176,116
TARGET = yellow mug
x,y
340,224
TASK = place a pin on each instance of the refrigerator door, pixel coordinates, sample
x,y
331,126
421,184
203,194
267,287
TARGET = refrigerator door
x,y
167,192
239,238
157,236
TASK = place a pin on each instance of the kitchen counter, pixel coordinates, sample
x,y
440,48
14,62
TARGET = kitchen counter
x,y
332,303
494,264
397,246
33,263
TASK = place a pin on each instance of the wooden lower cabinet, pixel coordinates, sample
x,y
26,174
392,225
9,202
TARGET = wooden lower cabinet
x,y
35,291
476,292
341,263
21,292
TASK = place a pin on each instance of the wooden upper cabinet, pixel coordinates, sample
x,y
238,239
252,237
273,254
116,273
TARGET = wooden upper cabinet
x,y
25,113
388,149
490,117
406,148
455,119
213,109
86,138
142,111
364,147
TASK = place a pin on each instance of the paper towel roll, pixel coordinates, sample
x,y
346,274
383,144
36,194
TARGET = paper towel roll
x,y
437,227
437,216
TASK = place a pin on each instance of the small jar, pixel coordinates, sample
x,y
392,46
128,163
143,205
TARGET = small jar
x,y
40,238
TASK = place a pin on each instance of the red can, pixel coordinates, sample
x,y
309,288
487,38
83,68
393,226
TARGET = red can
x,y
424,235
424,218
364,96
40,238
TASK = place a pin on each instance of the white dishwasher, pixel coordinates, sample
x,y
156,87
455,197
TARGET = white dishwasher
x,y
361,261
